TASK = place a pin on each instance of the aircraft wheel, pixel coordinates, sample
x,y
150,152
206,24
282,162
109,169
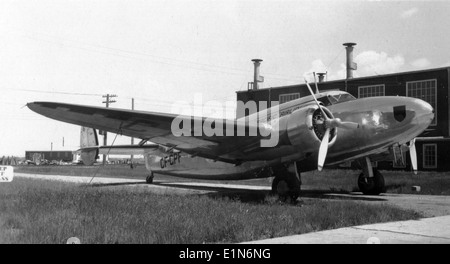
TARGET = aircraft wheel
x,y
149,178
286,188
371,186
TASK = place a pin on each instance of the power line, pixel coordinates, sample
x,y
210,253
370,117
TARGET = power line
x,y
172,61
56,92
332,61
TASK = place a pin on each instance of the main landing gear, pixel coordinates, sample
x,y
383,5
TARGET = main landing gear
x,y
287,182
370,181
149,178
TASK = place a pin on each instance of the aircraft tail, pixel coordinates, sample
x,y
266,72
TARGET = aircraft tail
x,y
88,145
90,149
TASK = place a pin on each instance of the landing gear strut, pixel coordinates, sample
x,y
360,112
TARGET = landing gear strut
x,y
370,181
149,178
286,183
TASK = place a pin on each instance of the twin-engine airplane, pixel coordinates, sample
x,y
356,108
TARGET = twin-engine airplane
x,y
326,128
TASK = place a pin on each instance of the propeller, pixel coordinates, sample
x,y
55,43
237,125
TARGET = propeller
x,y
315,82
330,123
323,150
413,154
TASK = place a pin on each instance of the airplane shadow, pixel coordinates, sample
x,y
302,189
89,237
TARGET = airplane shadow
x,y
248,195
116,184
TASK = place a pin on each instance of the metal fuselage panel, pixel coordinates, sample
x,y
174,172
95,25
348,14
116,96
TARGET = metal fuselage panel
x,y
186,166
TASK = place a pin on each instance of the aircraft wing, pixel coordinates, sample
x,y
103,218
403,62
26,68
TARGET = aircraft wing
x,y
155,127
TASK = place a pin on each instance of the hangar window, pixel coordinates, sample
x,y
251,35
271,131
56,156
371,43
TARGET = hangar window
x,y
371,90
429,156
425,90
283,98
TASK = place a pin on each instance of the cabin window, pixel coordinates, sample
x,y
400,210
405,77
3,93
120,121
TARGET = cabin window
x,y
371,90
425,90
283,98
430,156
338,98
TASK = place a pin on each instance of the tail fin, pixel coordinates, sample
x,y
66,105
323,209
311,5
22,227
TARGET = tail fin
x,y
88,137
88,145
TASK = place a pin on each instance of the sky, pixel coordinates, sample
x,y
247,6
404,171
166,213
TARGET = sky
x,y
161,52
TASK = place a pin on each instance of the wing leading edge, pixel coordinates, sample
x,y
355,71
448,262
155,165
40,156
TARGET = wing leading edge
x,y
152,126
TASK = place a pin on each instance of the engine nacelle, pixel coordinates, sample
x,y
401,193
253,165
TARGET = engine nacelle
x,y
306,128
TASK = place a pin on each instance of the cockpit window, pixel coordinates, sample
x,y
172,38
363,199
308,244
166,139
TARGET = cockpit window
x,y
324,100
340,98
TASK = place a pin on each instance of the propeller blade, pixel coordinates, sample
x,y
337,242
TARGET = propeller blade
x,y
323,150
315,82
315,99
413,155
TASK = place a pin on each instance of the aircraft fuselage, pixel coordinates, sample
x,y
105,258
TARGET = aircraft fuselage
x,y
383,122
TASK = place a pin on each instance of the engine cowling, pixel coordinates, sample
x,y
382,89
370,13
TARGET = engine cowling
x,y
306,128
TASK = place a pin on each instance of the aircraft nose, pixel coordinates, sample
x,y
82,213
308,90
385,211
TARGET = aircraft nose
x,y
424,113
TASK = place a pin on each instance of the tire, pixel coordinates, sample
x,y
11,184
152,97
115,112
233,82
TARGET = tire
x,y
149,178
371,186
286,188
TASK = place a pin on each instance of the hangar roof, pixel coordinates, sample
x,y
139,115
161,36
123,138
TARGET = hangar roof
x,y
356,79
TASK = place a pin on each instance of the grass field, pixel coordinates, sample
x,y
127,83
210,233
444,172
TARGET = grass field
x,y
38,211
431,183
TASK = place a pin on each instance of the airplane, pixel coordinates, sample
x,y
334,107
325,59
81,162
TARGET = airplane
x,y
322,129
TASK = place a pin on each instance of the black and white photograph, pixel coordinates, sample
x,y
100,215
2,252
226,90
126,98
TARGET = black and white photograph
x,y
224,127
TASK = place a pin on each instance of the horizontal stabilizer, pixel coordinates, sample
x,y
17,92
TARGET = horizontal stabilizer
x,y
126,149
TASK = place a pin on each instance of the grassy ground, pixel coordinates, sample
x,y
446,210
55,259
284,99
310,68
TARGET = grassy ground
x,y
38,211
431,183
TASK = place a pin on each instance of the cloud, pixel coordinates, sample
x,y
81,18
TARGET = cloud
x,y
375,63
447,64
339,74
316,66
369,63
421,63
409,13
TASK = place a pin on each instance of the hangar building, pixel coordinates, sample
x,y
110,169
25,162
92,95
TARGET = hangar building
x,y
49,155
430,85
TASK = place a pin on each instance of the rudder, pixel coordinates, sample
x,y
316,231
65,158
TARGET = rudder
x,y
88,145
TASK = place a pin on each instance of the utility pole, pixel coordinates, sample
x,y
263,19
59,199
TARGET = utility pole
x,y
107,102
132,139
